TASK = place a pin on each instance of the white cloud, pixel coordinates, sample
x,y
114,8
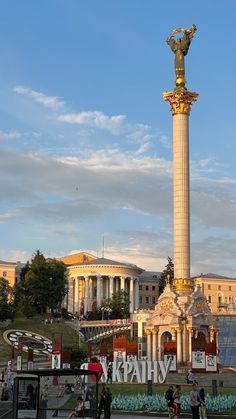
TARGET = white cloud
x,y
10,135
10,215
113,124
51,102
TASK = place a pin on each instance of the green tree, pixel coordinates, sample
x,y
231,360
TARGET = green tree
x,y
168,271
44,284
6,300
24,271
57,282
119,305
23,300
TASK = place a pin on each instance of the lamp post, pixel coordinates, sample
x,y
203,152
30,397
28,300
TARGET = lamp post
x,y
102,310
108,310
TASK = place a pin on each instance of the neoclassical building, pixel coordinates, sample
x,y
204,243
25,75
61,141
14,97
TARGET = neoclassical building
x,y
91,282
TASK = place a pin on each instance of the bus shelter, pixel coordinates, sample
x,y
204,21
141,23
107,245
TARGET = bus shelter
x,y
44,394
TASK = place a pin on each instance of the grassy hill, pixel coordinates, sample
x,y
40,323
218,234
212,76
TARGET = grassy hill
x,y
70,339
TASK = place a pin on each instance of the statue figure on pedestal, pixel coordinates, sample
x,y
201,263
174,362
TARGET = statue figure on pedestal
x,y
180,49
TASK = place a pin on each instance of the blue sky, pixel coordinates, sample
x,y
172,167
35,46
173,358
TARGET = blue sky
x,y
85,136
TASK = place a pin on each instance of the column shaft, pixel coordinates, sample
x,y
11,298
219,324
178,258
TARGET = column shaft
x,y
149,345
122,283
131,295
179,346
154,345
111,286
181,196
185,345
99,294
136,293
76,296
190,334
86,294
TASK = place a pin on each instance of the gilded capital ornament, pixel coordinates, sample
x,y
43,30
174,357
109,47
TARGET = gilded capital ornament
x,y
183,285
180,100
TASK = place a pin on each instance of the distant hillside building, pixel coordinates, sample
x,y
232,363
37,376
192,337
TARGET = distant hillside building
x,y
220,292
148,289
11,271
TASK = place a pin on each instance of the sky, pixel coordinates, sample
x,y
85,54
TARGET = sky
x,y
86,138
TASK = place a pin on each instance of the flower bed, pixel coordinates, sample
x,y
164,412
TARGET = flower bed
x,y
157,403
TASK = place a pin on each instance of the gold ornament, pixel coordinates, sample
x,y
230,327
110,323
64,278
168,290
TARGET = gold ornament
x,y
180,100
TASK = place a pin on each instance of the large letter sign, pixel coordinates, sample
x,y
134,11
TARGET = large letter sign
x,y
138,371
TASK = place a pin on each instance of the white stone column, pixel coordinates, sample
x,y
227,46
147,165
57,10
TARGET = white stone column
x,y
190,335
76,296
131,295
86,294
122,283
154,345
111,286
211,333
181,196
107,288
117,284
185,344
136,293
149,345
99,292
173,334
179,345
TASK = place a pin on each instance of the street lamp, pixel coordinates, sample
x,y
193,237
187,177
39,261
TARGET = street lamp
x,y
109,310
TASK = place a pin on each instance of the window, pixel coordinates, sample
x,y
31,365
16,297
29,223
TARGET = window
x,y
140,299
230,299
226,300
209,298
219,299
219,287
209,286
147,300
153,287
140,287
147,287
230,288
4,274
153,300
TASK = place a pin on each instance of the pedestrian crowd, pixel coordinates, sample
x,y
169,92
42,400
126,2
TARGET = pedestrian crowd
x,y
196,399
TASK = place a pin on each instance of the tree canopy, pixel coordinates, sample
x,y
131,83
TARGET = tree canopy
x,y
167,272
119,305
6,300
43,285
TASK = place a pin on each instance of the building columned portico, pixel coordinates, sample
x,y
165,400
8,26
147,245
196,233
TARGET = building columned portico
x,y
92,282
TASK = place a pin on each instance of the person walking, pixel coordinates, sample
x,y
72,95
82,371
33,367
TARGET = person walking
x,y
169,396
195,402
5,393
202,404
107,404
109,374
102,400
177,402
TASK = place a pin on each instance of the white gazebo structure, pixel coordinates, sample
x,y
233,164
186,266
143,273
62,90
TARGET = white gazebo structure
x,y
92,282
